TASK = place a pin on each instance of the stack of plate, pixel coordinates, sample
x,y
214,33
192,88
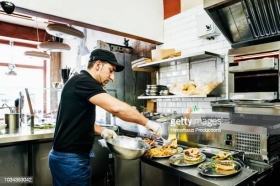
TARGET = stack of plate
x,y
154,90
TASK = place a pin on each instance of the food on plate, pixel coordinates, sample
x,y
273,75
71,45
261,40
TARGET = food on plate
x,y
167,150
152,143
179,149
192,155
223,155
223,163
174,143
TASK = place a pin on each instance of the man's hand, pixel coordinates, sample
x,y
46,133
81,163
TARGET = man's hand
x,y
155,128
107,133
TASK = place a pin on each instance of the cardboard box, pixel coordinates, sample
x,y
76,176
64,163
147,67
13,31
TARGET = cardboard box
x,y
159,54
151,106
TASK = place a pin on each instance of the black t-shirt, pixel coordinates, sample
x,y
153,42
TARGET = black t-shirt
x,y
74,131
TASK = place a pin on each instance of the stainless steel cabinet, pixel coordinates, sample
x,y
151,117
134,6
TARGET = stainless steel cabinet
x,y
40,165
14,161
127,172
152,176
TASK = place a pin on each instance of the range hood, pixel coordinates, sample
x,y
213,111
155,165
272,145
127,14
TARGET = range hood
x,y
246,22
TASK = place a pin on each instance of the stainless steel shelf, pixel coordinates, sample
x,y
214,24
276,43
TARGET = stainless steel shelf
x,y
187,58
176,96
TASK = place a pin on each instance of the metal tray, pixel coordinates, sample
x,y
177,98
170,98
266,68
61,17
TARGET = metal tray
x,y
178,160
213,151
207,170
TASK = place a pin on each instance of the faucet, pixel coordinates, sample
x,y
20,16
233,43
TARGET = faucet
x,y
11,111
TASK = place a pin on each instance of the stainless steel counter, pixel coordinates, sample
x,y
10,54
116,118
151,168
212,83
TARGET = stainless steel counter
x,y
24,134
245,177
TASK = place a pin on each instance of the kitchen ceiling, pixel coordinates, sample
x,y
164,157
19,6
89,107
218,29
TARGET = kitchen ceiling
x,y
25,20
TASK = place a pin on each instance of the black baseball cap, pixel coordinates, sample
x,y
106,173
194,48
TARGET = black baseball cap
x,y
105,55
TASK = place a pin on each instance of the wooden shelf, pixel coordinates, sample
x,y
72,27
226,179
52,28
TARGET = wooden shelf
x,y
188,58
136,69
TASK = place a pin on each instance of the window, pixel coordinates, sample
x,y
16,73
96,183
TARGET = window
x,y
31,74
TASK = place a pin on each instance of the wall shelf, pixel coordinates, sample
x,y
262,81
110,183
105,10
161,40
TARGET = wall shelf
x,y
188,58
176,96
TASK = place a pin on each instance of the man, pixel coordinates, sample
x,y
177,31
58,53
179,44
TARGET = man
x,y
69,160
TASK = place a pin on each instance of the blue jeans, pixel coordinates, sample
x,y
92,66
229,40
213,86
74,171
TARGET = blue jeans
x,y
70,169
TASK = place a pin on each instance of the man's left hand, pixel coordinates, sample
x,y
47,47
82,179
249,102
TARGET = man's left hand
x,y
107,133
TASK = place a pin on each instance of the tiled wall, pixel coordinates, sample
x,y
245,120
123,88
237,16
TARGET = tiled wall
x,y
180,33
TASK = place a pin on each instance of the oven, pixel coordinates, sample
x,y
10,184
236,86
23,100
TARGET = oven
x,y
254,77
253,81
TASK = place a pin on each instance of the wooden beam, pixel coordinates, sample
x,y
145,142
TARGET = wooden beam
x,y
23,66
23,32
16,43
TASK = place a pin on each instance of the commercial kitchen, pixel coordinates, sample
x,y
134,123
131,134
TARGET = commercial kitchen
x,y
228,51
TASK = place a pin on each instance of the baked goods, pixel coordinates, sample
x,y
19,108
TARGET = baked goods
x,y
182,88
223,163
205,88
192,155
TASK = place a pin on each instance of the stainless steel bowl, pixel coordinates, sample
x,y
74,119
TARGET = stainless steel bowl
x,y
127,148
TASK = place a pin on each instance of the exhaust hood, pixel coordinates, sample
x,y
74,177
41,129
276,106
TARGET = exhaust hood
x,y
246,22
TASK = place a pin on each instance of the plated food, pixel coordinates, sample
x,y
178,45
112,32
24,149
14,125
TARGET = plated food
x,y
161,152
191,156
152,143
165,150
222,164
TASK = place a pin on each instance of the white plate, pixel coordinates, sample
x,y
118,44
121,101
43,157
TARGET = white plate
x,y
2,126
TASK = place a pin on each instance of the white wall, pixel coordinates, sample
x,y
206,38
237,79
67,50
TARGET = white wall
x,y
180,33
72,59
188,4
140,18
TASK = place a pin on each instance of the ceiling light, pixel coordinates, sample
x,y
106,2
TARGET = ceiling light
x,y
7,6
11,73
11,68
53,46
37,54
64,31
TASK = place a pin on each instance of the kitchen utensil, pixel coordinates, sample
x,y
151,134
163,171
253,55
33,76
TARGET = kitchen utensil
x,y
65,72
12,121
31,110
126,147
166,142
